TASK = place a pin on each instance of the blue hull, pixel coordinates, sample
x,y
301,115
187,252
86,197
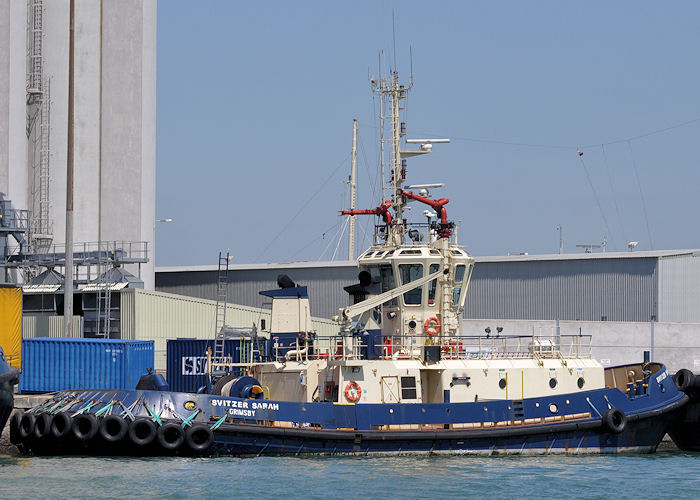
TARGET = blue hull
x,y
642,436
567,424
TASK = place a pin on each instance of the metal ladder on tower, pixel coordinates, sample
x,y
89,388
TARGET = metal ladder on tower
x,y
221,302
103,295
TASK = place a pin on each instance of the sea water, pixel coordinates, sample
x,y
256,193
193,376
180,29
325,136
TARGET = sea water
x,y
661,475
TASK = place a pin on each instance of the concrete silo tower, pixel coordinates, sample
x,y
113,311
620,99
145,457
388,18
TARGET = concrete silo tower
x,y
114,120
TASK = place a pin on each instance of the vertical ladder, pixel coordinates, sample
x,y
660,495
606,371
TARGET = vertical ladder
x,y
103,308
44,223
108,310
103,295
34,78
221,301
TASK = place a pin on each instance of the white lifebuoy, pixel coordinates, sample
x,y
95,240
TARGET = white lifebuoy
x,y
353,391
432,326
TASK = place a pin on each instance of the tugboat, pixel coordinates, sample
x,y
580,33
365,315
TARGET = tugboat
x,y
398,378
8,380
685,430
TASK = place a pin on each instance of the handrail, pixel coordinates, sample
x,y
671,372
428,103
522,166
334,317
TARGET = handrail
x,y
455,347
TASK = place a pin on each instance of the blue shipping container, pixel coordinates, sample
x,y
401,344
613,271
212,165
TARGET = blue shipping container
x,y
187,362
55,364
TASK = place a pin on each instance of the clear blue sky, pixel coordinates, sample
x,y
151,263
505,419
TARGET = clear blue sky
x,y
256,101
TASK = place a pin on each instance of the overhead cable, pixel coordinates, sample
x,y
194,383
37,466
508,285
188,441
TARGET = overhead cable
x,y
564,146
641,195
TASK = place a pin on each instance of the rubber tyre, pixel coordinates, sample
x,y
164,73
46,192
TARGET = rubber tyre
x,y
26,426
684,379
42,426
615,420
199,438
142,432
85,427
61,425
14,428
113,428
171,436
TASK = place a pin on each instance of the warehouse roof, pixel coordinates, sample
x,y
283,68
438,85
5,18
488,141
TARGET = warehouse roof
x,y
497,258
588,256
269,265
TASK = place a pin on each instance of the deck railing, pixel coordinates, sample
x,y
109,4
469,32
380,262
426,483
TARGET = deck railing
x,y
462,347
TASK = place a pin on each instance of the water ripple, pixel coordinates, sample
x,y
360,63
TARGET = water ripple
x,y
664,475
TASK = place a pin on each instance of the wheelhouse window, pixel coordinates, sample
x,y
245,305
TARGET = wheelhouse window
x,y
459,278
433,284
384,275
408,273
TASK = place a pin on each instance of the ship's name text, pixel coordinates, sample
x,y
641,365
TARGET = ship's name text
x,y
245,405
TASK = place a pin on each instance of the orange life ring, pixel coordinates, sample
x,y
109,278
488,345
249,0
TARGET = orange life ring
x,y
432,326
353,391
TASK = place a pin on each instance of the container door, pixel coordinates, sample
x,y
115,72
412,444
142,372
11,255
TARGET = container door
x,y
390,389
11,324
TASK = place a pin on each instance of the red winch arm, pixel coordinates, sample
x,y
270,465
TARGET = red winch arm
x,y
382,210
439,207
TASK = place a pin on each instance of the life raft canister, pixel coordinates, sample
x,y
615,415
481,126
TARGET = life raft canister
x,y
353,391
432,326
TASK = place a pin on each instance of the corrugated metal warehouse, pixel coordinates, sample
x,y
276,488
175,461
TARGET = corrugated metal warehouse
x,y
324,279
620,286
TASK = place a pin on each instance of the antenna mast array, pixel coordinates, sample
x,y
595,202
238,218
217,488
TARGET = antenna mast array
x,y
391,130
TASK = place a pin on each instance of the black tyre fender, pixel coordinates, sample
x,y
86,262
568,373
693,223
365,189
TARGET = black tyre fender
x,y
171,436
42,426
199,438
113,428
684,379
26,426
142,432
61,425
615,420
85,427
14,427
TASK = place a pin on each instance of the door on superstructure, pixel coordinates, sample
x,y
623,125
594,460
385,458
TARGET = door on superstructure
x,y
390,389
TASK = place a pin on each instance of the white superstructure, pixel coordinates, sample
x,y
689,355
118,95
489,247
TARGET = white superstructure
x,y
400,342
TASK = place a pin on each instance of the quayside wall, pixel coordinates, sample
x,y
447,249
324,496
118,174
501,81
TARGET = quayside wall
x,y
677,345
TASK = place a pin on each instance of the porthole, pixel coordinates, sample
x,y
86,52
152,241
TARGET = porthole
x,y
502,383
552,383
580,382
553,408
412,324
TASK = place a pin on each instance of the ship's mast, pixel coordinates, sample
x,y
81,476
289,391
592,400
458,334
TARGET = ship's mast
x,y
391,92
353,189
